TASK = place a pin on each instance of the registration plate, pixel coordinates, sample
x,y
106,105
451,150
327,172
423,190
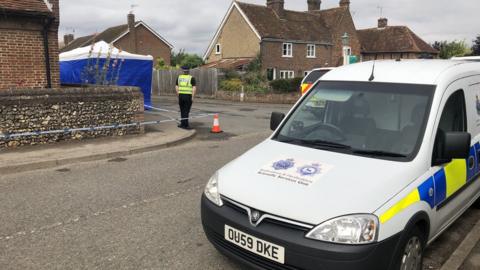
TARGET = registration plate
x,y
258,246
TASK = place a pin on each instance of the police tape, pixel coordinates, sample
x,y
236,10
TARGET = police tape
x,y
158,109
6,136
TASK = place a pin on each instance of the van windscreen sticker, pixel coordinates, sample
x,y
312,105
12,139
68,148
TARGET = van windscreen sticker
x,y
295,171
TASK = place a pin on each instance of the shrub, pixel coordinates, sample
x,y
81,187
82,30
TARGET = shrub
x,y
231,74
231,85
286,85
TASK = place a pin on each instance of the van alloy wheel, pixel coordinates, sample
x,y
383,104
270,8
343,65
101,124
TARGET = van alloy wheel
x,y
412,255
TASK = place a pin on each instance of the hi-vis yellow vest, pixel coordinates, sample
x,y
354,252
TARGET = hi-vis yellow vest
x,y
185,84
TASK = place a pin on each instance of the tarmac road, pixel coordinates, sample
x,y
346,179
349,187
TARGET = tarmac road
x,y
142,211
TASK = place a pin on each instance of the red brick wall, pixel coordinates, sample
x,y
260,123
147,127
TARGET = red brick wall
x,y
22,58
299,63
147,44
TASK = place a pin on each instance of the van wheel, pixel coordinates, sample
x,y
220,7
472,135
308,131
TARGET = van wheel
x,y
409,255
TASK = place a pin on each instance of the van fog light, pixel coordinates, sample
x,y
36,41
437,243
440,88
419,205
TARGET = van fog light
x,y
354,229
211,190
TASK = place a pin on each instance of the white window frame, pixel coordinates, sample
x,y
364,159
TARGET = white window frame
x,y
311,51
287,74
287,50
218,48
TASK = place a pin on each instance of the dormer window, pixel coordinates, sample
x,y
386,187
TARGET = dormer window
x,y
218,49
287,50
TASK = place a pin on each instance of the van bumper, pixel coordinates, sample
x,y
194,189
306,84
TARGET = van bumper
x,y
300,252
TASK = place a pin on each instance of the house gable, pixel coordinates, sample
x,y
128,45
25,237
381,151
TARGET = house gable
x,y
236,36
148,43
145,26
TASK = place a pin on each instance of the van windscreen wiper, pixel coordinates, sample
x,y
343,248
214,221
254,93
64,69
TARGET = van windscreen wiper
x,y
378,153
317,143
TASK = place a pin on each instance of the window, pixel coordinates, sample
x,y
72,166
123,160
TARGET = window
x,y
453,115
287,74
287,50
218,49
385,120
271,74
453,118
311,51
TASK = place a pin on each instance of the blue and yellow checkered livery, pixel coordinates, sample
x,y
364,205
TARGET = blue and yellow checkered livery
x,y
445,183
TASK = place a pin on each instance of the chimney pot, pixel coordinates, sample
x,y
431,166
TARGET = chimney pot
x,y
278,6
382,22
68,38
314,5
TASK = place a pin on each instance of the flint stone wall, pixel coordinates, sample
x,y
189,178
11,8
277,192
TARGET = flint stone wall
x,y
32,110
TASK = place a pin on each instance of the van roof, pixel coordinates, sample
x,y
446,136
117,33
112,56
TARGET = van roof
x,y
393,71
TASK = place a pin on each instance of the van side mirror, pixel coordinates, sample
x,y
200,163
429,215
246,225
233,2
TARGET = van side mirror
x,y
276,119
452,145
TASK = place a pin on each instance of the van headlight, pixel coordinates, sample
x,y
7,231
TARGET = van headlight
x,y
211,190
354,229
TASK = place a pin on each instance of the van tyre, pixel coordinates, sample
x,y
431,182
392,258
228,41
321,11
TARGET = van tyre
x,y
409,255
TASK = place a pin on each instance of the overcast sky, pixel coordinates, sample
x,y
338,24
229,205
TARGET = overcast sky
x,y
191,24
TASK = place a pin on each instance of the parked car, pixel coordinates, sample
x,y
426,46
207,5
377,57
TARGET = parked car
x,y
312,77
394,161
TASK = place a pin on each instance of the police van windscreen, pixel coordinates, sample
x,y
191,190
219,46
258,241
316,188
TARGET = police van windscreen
x,y
383,120
313,76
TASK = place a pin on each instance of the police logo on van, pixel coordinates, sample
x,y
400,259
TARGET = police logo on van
x,y
310,170
283,164
295,171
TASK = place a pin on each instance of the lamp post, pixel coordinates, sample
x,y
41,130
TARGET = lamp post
x,y
347,51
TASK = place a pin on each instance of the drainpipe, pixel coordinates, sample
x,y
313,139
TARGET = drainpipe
x,y
46,27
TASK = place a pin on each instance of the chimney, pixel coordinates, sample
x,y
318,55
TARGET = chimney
x,y
67,39
345,3
133,33
278,6
382,22
314,5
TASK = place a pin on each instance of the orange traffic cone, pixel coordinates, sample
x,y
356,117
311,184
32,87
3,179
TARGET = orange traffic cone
x,y
216,125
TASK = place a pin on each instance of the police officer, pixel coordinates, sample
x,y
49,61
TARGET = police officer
x,y
186,88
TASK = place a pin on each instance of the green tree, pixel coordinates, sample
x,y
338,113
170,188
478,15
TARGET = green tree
x,y
451,49
476,46
181,58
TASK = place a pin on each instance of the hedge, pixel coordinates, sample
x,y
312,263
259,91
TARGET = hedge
x,y
286,85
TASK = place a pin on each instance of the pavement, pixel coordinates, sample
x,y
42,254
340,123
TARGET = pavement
x,y
53,155
129,207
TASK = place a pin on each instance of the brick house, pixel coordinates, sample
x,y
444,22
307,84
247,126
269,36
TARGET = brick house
x,y
29,44
393,42
134,37
289,43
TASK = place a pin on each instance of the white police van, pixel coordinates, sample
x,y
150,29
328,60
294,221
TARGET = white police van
x,y
392,162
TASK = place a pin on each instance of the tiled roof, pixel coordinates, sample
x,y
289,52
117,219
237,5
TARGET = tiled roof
x,y
392,39
333,16
229,63
109,35
294,25
77,43
29,6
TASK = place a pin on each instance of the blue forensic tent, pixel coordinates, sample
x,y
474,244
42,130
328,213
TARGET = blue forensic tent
x,y
85,66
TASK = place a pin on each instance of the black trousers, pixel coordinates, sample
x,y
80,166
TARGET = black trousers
x,y
185,102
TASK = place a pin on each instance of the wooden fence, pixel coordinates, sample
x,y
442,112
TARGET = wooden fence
x,y
164,81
